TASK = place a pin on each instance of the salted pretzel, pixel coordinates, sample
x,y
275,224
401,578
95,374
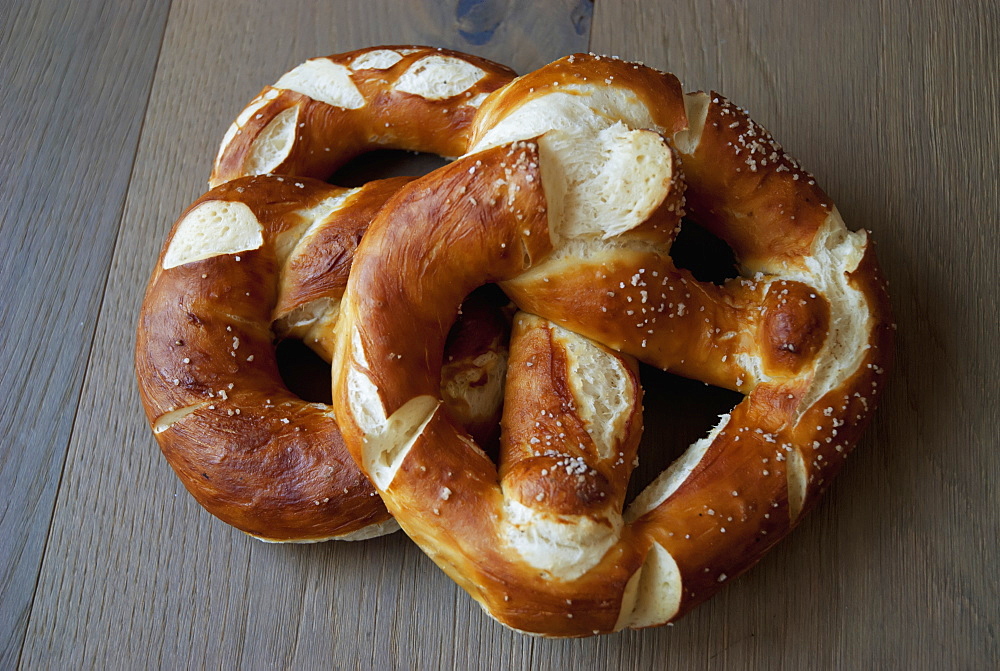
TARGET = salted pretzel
x,y
570,198
256,260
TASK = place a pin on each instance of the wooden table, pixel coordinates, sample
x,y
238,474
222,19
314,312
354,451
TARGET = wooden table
x,y
112,114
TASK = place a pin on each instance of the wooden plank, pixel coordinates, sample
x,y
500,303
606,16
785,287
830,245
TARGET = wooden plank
x,y
136,574
891,105
76,81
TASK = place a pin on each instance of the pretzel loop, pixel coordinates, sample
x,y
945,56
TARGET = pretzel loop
x,y
260,259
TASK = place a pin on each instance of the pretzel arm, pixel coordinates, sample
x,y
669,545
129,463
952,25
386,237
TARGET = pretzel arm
x,y
636,301
328,110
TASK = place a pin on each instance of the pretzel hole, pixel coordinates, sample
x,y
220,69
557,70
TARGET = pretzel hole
x,y
707,256
677,412
383,163
472,378
302,370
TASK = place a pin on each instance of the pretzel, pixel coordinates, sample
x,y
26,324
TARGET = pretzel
x,y
570,198
250,451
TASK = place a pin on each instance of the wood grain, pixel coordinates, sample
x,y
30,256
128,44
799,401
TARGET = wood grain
x,y
892,105
76,80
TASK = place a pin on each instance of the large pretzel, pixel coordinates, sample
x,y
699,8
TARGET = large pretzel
x,y
265,258
570,200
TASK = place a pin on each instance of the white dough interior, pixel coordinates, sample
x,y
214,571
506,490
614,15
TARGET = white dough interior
x,y
379,59
168,419
604,184
563,546
323,80
601,387
653,593
439,77
244,116
273,144
213,228
581,109
385,450
670,480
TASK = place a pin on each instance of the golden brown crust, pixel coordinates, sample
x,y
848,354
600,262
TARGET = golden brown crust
x,y
795,322
319,269
804,334
643,305
740,181
550,461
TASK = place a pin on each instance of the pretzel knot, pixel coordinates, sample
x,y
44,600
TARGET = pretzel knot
x,y
575,185
263,258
